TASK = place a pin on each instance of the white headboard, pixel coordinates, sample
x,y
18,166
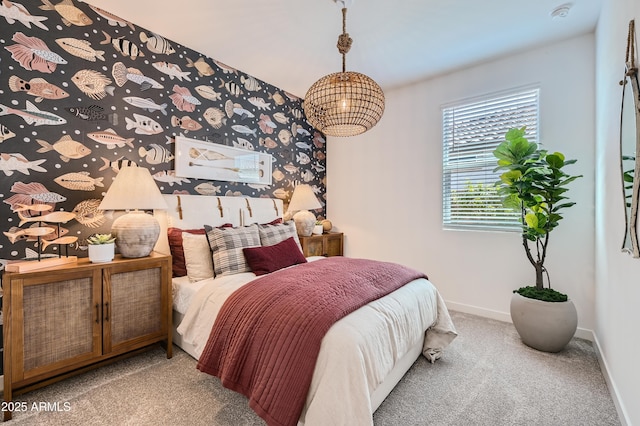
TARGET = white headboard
x,y
195,211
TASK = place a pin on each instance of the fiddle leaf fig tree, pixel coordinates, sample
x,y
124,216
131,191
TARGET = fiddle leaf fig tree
x,y
534,184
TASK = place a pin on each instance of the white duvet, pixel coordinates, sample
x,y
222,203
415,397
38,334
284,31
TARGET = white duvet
x,y
356,354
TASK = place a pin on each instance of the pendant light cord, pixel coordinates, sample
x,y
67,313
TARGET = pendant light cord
x,y
344,41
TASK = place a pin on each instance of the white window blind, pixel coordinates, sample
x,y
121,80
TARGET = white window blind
x,y
471,131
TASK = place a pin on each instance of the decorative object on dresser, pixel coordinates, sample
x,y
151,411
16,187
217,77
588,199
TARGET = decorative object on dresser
x,y
65,320
327,244
136,232
345,103
44,233
303,200
534,184
101,248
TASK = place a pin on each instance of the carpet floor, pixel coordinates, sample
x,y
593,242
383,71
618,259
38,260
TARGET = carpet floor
x,y
486,377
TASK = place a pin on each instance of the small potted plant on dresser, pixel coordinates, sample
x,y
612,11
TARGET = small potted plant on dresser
x,y
318,228
101,248
534,184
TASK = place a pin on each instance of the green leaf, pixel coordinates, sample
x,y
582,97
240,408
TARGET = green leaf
x,y
510,177
503,152
514,134
563,206
555,160
569,180
532,220
512,202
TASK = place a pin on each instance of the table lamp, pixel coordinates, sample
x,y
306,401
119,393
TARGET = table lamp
x,y
303,200
135,190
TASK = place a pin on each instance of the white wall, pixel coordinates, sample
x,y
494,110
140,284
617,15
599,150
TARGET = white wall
x,y
617,274
384,187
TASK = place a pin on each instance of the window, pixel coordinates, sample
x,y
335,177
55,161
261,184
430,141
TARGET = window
x,y
472,129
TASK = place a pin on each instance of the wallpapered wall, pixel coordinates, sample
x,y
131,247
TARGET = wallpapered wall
x,y
83,92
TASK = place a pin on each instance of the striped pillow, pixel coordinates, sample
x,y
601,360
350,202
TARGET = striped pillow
x,y
273,234
226,247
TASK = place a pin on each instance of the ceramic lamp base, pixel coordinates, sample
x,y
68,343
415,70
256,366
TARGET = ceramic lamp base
x,y
136,233
305,221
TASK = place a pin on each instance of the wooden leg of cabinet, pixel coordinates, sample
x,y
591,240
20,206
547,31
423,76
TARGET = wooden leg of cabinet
x,y
7,403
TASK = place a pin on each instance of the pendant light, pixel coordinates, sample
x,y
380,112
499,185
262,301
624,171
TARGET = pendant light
x,y
345,103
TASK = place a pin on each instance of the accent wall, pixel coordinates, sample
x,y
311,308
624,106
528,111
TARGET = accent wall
x,y
84,93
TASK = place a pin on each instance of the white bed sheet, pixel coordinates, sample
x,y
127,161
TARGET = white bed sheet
x,y
356,354
183,291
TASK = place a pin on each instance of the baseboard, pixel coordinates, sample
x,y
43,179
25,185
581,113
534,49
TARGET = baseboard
x,y
613,390
581,333
475,310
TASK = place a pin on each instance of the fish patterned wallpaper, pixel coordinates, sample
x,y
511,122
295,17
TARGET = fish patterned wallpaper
x,y
84,92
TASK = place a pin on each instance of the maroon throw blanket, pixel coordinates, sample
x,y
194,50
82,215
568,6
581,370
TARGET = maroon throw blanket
x,y
266,338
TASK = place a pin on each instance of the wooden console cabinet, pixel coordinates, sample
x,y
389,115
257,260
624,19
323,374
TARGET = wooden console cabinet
x,y
329,244
68,319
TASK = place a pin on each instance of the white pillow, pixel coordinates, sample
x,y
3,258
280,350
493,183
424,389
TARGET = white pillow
x,y
197,256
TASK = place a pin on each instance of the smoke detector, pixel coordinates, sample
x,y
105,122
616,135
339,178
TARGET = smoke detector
x,y
561,11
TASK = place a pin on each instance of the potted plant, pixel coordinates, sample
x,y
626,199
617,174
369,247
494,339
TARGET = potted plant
x,y
101,248
534,183
318,228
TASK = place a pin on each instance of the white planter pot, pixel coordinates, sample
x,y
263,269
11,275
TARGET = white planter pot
x,y
546,326
100,253
318,230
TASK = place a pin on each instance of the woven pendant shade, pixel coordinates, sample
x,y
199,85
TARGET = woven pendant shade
x,y
345,103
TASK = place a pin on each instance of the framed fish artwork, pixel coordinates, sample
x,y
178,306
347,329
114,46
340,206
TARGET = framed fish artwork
x,y
212,161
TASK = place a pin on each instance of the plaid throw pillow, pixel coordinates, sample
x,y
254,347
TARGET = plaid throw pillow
x,y
226,247
273,234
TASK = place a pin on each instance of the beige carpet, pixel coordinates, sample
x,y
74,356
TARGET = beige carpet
x,y
486,377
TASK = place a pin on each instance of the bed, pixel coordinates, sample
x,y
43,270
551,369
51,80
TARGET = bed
x,y
362,356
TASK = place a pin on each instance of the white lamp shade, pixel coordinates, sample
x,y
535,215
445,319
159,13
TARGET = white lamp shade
x,y
133,189
136,232
303,198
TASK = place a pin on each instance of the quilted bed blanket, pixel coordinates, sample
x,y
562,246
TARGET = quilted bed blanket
x,y
266,339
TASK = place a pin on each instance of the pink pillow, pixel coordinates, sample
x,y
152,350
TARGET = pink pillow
x,y
263,260
177,252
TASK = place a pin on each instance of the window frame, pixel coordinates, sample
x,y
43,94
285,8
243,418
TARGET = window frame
x,y
471,129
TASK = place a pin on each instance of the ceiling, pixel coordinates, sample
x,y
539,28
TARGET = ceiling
x,y
292,43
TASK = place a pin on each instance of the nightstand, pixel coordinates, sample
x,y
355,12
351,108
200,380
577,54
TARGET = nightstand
x,y
328,244
64,320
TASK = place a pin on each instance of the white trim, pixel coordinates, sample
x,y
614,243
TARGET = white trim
x,y
581,333
613,390
482,312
